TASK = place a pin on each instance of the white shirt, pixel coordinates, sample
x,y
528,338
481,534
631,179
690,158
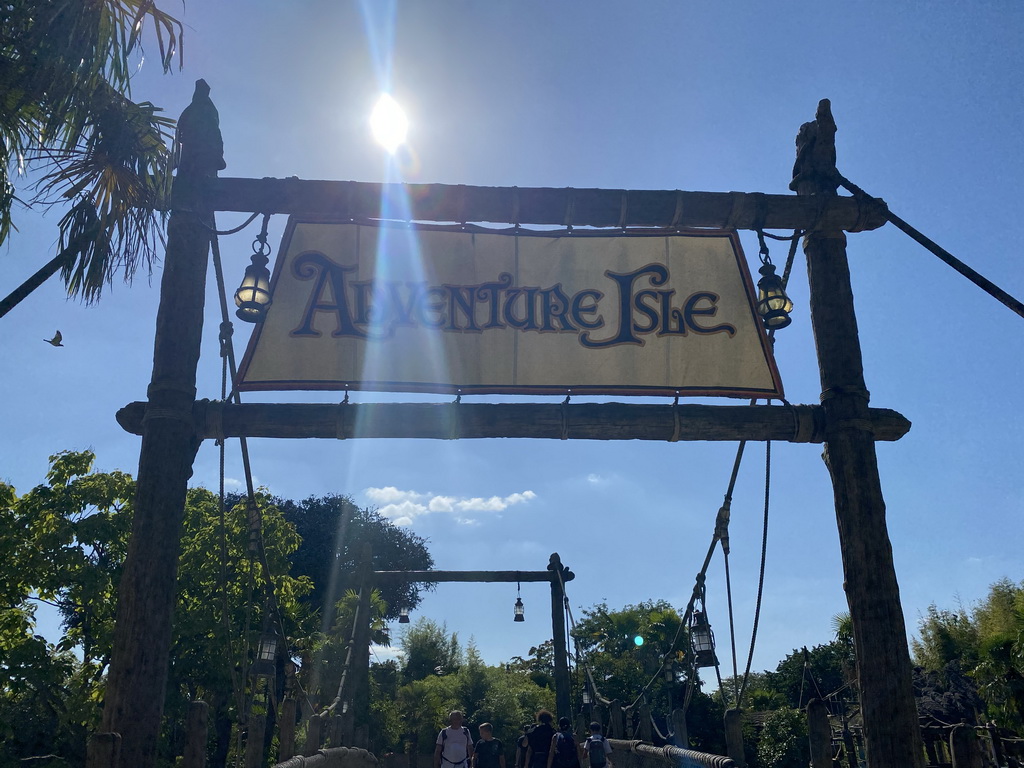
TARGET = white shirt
x,y
455,748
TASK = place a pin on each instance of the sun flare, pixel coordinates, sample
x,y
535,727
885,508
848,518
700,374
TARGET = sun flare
x,y
389,123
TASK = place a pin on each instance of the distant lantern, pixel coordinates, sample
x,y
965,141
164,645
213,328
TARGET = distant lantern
x,y
266,655
702,641
403,615
668,670
518,610
773,304
586,695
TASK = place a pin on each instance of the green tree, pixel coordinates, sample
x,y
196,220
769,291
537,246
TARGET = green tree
x,y
817,673
429,650
783,741
607,639
69,128
65,541
329,555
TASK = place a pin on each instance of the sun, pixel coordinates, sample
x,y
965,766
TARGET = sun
x,y
389,123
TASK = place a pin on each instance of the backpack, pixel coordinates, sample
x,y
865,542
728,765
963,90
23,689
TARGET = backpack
x,y
566,755
595,751
444,738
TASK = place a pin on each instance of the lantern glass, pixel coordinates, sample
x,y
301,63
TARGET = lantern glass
x,y
586,696
253,296
518,610
403,615
773,304
265,662
702,641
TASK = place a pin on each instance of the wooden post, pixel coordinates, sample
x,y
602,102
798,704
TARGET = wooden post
x,y
142,635
616,721
851,748
891,731
963,747
644,726
563,703
286,724
997,744
734,736
314,729
819,734
104,751
254,741
358,693
682,734
197,733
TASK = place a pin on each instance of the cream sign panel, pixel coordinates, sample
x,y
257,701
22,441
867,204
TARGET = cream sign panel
x,y
435,309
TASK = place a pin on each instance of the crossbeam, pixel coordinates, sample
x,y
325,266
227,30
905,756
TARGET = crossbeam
x,y
546,206
575,421
438,577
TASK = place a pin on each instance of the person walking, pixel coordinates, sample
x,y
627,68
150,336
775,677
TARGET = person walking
x,y
563,752
539,741
454,747
596,748
489,752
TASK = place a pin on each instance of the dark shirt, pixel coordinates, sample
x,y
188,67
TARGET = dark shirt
x,y
540,738
488,753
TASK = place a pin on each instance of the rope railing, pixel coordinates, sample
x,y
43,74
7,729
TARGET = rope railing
x,y
634,754
335,757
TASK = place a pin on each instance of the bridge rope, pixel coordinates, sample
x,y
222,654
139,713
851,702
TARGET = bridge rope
x,y
257,548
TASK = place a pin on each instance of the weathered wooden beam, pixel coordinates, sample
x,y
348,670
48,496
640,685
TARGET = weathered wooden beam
x,y
884,671
486,577
539,205
575,421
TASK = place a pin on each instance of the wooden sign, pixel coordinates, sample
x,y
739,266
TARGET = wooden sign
x,y
395,307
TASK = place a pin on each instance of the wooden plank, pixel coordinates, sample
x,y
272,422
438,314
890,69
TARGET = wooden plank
x,y
575,421
439,577
547,206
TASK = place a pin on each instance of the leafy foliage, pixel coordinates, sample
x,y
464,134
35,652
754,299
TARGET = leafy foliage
x,y
429,650
986,643
620,667
329,555
66,117
783,741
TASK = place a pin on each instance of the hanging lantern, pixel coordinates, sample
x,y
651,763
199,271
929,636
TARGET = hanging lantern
x,y
773,304
702,641
265,662
253,297
403,615
586,695
518,610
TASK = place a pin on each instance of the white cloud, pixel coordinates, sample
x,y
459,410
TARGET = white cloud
x,y
403,507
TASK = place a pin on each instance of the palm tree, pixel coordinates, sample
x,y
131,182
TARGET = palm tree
x,y
67,122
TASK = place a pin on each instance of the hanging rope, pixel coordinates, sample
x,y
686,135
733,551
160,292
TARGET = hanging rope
x,y
760,577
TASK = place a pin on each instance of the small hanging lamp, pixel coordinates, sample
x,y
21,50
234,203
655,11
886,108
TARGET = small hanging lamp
x,y
518,608
702,641
403,615
265,662
773,305
253,296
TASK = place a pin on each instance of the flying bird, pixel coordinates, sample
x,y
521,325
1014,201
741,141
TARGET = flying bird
x,y
55,340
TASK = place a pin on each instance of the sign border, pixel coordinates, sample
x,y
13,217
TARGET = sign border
x,y
487,389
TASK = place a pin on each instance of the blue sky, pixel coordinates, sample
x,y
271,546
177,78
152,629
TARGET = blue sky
x,y
655,95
